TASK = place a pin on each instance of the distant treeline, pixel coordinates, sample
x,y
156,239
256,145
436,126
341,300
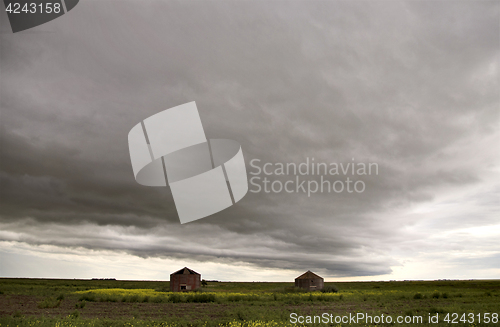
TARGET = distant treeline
x,y
103,278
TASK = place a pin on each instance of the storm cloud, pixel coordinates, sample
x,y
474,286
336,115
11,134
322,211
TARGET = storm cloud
x,y
412,86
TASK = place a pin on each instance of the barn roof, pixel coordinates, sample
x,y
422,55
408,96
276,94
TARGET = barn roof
x,y
185,271
309,275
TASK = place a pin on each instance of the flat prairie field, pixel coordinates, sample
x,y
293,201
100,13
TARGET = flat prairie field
x,y
67,302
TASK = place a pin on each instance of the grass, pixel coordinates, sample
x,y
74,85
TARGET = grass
x,y
49,302
38,302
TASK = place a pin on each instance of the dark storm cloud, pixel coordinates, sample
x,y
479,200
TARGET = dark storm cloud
x,y
412,86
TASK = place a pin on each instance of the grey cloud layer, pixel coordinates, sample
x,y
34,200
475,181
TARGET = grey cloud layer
x,y
412,86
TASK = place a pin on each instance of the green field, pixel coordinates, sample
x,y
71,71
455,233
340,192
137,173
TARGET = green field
x,y
44,302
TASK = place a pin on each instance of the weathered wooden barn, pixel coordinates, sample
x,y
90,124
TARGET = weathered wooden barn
x,y
310,281
184,280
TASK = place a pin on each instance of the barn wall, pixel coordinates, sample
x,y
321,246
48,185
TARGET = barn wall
x,y
191,281
307,283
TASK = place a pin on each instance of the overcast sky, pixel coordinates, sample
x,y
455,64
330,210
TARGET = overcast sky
x,y
412,86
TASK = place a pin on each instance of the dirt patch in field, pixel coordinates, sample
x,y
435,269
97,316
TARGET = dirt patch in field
x,y
27,305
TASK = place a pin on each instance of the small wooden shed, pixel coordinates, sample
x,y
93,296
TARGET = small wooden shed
x,y
310,281
185,280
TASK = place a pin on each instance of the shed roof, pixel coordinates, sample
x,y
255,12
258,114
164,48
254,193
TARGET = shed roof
x,y
309,275
185,271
